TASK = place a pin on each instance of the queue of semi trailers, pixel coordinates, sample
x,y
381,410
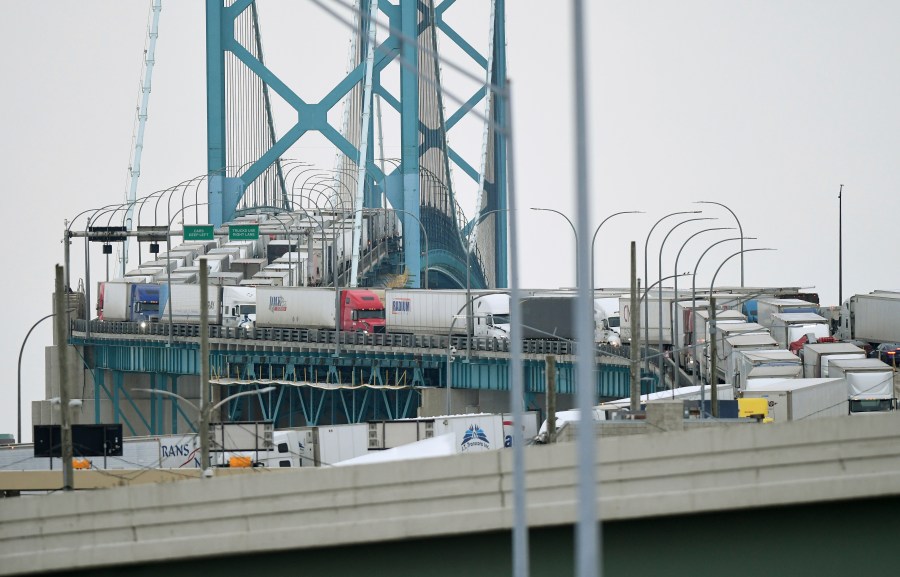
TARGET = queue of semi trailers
x,y
782,349
257,445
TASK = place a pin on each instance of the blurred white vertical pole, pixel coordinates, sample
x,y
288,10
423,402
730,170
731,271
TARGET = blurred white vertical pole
x,y
587,531
517,387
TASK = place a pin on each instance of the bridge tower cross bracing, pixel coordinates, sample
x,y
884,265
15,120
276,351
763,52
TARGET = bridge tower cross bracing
x,y
420,185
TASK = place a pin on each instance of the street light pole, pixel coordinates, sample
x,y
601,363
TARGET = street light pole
x,y
840,250
740,230
646,314
696,371
713,378
21,350
660,366
594,238
680,346
574,232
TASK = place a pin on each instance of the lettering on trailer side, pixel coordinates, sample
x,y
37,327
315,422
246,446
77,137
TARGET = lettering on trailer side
x,y
277,304
400,306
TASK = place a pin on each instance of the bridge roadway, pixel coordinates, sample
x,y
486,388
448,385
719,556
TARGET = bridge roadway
x,y
403,373
814,497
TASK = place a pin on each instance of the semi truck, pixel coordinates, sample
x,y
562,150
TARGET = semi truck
x,y
869,384
816,357
127,302
873,317
314,307
797,399
443,312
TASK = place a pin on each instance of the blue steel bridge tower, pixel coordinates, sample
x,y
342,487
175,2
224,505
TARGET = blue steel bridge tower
x,y
245,153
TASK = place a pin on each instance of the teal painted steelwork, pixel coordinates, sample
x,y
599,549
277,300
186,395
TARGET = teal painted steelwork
x,y
411,18
498,78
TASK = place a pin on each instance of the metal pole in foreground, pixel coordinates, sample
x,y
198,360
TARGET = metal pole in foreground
x,y
840,251
635,333
204,366
63,370
588,541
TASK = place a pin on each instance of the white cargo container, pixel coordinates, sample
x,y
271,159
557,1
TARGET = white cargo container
x,y
185,304
472,433
776,362
225,278
742,342
278,277
797,399
325,445
308,307
650,317
869,384
787,328
816,357
114,300
766,308
873,317
440,312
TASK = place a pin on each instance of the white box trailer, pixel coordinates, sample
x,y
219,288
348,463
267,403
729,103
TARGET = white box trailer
x,y
164,452
817,356
184,302
869,384
225,278
728,327
114,300
325,445
289,307
798,399
776,362
742,342
766,308
873,317
787,328
278,277
650,317
475,432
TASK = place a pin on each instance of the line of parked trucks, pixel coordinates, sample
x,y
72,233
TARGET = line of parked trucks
x,y
255,444
788,350
546,314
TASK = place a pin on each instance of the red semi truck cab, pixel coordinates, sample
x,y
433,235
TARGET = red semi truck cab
x,y
361,310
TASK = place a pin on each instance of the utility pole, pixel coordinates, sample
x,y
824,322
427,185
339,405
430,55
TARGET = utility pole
x,y
840,250
204,366
635,334
550,368
61,326
713,353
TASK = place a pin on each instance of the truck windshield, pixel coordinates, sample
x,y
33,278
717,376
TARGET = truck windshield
x,y
496,319
870,405
613,322
373,314
247,310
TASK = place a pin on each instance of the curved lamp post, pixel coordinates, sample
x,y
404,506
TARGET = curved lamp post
x,y
647,275
740,231
660,366
574,232
21,350
713,379
680,346
594,238
696,372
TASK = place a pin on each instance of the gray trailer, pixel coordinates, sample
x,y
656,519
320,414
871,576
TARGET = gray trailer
x,y
869,384
816,357
796,399
874,318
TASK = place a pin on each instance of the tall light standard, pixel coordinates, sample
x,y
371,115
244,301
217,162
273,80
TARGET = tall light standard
x,y
740,231
647,291
713,378
660,366
574,232
594,238
679,346
696,371
21,350
469,246
840,251
646,279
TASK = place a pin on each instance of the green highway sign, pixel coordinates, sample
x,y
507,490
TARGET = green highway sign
x,y
243,232
198,232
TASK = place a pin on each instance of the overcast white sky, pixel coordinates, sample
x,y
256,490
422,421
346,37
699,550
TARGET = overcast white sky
x,y
766,106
